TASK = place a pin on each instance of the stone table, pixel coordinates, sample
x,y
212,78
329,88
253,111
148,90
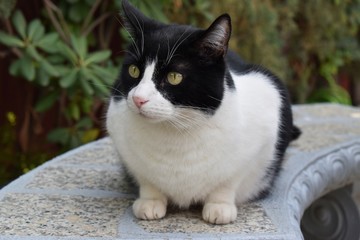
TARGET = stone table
x,y
84,193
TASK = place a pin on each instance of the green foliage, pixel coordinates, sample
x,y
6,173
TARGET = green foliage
x,y
46,58
6,7
152,9
306,43
14,163
64,65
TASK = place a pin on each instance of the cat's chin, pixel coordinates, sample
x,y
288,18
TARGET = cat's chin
x,y
151,118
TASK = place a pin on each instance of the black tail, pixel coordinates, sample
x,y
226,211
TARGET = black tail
x,y
296,132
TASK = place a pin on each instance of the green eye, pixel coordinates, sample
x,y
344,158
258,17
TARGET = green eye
x,y
134,71
174,78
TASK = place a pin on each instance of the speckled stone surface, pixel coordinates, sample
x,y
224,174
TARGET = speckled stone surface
x,y
251,218
55,215
85,194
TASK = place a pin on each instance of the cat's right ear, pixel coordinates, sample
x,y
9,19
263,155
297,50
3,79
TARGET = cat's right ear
x,y
215,40
135,21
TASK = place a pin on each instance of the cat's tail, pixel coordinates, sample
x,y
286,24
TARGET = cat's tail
x,y
296,132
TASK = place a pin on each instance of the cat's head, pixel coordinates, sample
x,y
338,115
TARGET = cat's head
x,y
172,72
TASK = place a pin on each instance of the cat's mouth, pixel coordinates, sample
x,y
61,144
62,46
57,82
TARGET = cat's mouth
x,y
146,115
150,116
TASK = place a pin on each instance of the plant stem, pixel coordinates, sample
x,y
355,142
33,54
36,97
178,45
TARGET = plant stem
x,y
9,29
103,40
96,22
89,16
49,7
105,35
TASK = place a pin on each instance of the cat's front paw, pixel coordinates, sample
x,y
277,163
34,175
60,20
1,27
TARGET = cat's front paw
x,y
219,213
148,209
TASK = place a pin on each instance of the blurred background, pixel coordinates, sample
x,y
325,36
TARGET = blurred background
x,y
58,60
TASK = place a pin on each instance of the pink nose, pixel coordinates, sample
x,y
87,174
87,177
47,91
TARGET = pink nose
x,y
139,101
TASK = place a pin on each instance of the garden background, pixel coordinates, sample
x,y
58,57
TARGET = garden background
x,y
58,60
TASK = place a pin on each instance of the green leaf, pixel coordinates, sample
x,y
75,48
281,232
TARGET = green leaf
x,y
49,68
28,68
6,8
55,59
100,86
74,141
10,41
66,51
33,53
43,77
155,11
96,81
107,74
78,11
69,79
97,57
63,69
79,45
90,135
74,111
72,1
48,42
86,86
86,105
59,135
15,68
334,94
46,102
19,23
84,123
36,30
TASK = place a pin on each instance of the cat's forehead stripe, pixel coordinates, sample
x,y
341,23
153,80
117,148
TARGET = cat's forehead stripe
x,y
149,71
146,87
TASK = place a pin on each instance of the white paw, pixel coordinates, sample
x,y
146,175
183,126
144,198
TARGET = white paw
x,y
219,213
147,209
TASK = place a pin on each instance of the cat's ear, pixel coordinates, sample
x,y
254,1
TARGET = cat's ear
x,y
135,21
214,42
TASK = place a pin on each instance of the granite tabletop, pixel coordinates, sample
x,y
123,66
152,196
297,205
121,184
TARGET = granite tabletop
x,y
84,193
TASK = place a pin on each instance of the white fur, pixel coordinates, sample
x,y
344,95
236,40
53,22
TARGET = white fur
x,y
217,160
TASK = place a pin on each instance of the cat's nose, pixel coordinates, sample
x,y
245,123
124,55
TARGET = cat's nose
x,y
139,101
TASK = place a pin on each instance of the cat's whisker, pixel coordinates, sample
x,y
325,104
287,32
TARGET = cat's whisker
x,y
142,33
175,48
197,119
182,128
171,51
168,51
177,44
214,98
157,52
138,55
131,53
110,87
175,125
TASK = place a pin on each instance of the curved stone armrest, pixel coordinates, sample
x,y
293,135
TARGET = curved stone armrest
x,y
325,158
85,193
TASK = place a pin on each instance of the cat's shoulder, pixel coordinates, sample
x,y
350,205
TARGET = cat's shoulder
x,y
239,67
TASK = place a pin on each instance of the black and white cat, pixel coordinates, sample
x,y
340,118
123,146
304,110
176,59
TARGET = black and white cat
x,y
193,123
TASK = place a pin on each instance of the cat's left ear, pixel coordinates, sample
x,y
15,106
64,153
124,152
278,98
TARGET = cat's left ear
x,y
214,42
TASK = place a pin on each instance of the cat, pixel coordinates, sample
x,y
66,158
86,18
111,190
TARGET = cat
x,y
193,123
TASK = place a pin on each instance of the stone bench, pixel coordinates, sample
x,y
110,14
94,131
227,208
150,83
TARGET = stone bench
x,y
84,194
